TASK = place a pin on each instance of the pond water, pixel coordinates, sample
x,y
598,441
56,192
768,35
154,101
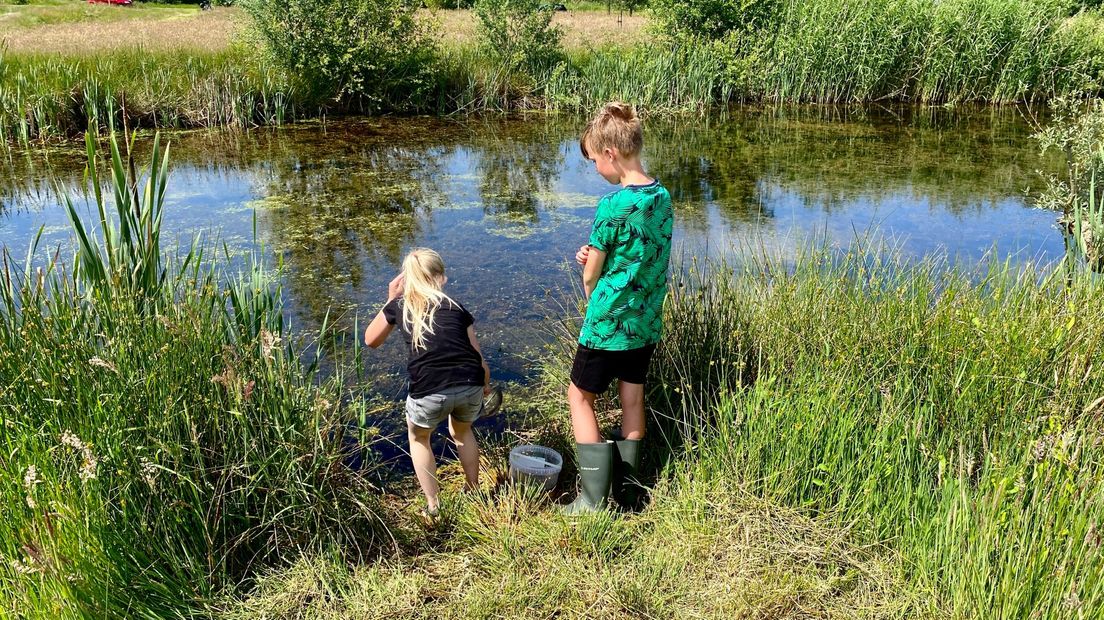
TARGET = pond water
x,y
507,202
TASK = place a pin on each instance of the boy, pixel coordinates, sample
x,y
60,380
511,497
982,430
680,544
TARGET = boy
x,y
625,282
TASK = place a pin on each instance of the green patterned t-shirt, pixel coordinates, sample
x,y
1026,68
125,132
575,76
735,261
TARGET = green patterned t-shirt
x,y
633,227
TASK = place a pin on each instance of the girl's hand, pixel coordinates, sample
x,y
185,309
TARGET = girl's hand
x,y
581,255
395,287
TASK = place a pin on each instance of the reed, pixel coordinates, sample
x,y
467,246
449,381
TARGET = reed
x,y
54,96
826,51
159,428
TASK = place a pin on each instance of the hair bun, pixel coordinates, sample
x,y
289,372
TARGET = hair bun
x,y
621,110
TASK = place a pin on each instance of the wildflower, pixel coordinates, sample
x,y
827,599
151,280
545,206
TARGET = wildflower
x,y
26,568
30,481
90,463
102,363
1042,447
1072,601
149,471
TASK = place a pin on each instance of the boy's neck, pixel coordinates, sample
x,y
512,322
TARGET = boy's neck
x,y
632,173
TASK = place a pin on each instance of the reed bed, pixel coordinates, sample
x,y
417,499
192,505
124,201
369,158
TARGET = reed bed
x,y
49,96
161,438
990,51
994,51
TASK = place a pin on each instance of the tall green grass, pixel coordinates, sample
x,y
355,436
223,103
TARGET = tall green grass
x,y
825,51
161,439
952,414
50,96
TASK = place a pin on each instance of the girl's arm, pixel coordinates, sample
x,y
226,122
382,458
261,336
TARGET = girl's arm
x,y
379,329
593,270
486,368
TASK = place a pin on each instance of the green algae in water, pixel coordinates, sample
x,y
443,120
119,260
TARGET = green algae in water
x,y
517,227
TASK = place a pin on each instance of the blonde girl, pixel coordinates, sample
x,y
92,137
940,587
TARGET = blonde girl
x,y
448,375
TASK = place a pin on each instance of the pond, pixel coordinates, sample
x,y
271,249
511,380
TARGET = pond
x,y
507,201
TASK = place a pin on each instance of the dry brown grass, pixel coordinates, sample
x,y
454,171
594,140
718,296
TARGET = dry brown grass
x,y
210,31
581,28
215,30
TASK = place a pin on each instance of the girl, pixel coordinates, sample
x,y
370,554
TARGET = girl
x,y
448,375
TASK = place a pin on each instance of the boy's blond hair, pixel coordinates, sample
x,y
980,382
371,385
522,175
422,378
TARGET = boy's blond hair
x,y
616,126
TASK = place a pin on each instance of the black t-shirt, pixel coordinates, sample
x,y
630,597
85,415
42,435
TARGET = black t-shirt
x,y
448,359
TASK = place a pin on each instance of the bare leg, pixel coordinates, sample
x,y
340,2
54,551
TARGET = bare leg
x,y
425,465
583,420
632,410
468,450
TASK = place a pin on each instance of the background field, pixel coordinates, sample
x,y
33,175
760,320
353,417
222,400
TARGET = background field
x,y
76,27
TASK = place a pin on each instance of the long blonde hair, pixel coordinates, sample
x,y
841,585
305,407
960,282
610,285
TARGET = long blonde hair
x,y
423,275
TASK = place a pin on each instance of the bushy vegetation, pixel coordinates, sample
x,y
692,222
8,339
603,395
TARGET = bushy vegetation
x,y
365,56
518,36
854,50
161,438
1078,133
373,53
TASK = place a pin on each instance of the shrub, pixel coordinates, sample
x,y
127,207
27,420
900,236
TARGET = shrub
x,y
1078,134
712,19
375,53
519,35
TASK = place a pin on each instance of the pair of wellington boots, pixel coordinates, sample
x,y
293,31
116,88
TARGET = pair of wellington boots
x,y
604,468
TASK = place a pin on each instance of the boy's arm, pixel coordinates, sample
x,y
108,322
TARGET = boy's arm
x,y
486,368
593,270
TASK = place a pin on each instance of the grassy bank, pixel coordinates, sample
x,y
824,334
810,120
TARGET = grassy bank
x,y
842,435
55,75
956,414
161,438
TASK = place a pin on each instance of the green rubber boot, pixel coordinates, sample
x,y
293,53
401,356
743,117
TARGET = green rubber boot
x,y
595,471
626,467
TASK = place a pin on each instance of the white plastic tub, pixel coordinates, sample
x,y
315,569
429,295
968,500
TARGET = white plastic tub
x,y
535,465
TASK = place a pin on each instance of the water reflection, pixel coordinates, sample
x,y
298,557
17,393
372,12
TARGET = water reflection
x,y
506,202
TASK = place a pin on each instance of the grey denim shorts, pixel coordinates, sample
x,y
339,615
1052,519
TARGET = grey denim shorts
x,y
463,402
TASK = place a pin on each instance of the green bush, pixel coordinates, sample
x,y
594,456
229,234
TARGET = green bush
x,y
375,54
448,4
519,36
712,19
1078,134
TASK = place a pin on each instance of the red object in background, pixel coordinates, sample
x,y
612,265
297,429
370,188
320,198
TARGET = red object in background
x,y
119,2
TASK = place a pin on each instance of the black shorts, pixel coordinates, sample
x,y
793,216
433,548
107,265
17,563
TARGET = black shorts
x,y
594,369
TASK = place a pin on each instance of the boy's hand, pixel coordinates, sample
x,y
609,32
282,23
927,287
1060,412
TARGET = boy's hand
x,y
395,287
581,255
